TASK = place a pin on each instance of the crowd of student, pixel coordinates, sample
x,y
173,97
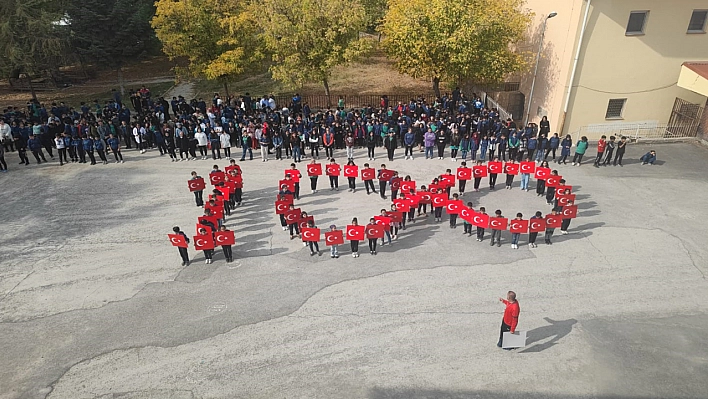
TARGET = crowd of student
x,y
409,202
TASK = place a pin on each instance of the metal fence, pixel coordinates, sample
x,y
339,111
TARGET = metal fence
x,y
489,102
354,100
634,131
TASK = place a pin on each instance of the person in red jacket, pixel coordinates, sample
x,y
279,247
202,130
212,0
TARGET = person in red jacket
x,y
511,315
601,144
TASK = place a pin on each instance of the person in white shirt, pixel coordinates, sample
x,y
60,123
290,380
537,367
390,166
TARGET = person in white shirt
x,y
6,136
202,141
138,138
61,148
225,140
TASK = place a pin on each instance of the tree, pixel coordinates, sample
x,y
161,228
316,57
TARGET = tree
x,y
375,11
218,37
307,38
451,40
110,32
31,40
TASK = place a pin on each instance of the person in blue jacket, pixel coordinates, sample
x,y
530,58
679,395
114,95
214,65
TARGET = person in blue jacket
x,y
35,145
553,144
648,158
100,149
78,149
531,146
87,143
542,145
409,142
566,144
483,145
114,145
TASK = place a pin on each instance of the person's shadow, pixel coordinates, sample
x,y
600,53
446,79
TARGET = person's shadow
x,y
556,329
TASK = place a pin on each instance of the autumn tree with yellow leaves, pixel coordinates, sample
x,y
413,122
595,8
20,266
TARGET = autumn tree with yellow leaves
x,y
218,37
453,40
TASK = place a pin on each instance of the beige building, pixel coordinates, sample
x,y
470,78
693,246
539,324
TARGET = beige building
x,y
617,66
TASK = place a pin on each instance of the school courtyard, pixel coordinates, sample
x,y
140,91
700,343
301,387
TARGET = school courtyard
x,y
94,302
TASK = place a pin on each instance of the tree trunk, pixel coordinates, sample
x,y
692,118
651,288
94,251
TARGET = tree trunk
x,y
436,86
31,87
326,87
226,88
121,81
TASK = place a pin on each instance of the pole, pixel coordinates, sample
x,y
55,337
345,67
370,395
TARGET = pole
x,y
535,70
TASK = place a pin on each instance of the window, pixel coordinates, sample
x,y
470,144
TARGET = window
x,y
698,21
615,108
637,19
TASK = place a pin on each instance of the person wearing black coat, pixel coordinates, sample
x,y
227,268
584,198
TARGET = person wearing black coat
x,y
183,142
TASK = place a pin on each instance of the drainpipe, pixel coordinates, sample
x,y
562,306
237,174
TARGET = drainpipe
x,y
575,65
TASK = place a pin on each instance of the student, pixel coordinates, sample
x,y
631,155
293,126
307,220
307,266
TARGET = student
x,y
478,180
219,196
225,142
467,225
387,228
515,236
198,195
621,146
228,254
295,175
601,145
648,158
409,142
371,145
202,141
541,184
462,183
334,180
21,146
609,150
493,177
372,241
61,148
333,250
100,149
480,230
293,227
313,178
354,243
246,146
453,216
533,235
3,164
391,143
382,182
429,141
88,148
281,197
565,150
182,251
549,231
566,222
114,145
369,184
438,209
550,191
352,180
35,145
580,147
553,144
208,253
525,178
423,205
264,142
314,245
397,226
496,233
411,211
509,177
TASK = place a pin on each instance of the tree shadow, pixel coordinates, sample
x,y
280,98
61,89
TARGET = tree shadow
x,y
556,330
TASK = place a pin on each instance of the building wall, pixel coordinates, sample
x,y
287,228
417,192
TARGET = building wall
x,y
643,69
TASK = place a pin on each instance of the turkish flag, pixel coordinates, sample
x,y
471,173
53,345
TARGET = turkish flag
x,y
479,171
217,177
335,237
224,192
496,223
351,171
564,200
453,207
466,214
334,169
511,168
293,216
225,238
570,212
383,220
288,183
426,197
542,173
402,205
202,242
375,231
519,226
537,225
281,207
213,219
294,174
385,174
553,221
448,179
433,188
205,227
310,234
407,186
196,184
231,186
232,167
553,181
464,173
413,200
528,167
396,217
368,174
396,183
314,169
560,190
303,222
178,240
355,233
495,167
480,220
439,200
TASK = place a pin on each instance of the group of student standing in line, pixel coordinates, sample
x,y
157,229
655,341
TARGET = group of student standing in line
x,y
556,194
